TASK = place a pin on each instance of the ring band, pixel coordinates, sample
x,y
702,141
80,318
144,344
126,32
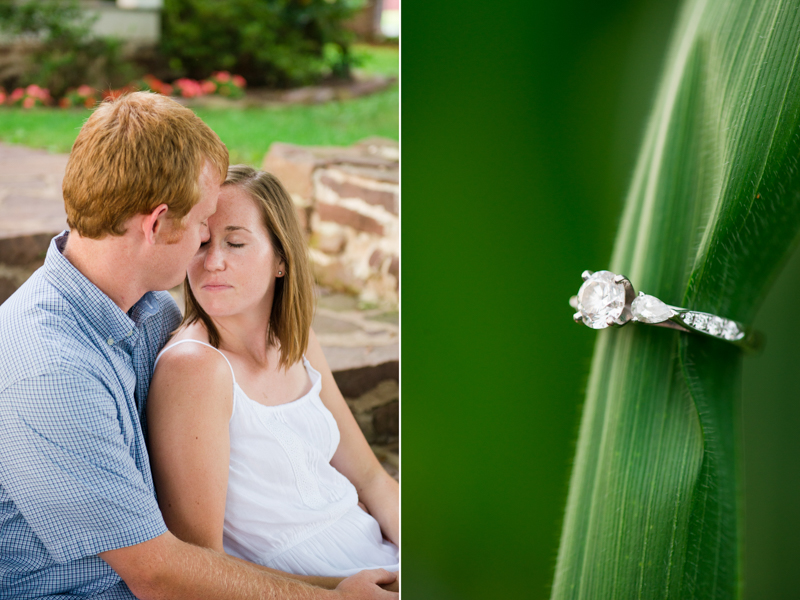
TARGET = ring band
x,y
609,300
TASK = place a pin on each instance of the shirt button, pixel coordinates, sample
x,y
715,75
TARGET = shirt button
x,y
110,341
129,334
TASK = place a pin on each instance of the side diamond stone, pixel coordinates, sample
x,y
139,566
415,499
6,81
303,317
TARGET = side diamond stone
x,y
649,309
688,318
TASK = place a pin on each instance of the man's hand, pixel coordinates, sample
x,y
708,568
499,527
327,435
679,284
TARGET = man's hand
x,y
364,585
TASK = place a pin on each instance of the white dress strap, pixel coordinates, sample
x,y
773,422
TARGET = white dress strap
x,y
203,344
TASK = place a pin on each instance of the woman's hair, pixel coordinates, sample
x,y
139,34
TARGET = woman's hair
x,y
293,303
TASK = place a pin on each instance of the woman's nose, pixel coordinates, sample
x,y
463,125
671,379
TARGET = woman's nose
x,y
214,260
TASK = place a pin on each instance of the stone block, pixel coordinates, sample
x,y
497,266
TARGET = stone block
x,y
383,394
375,259
353,381
294,166
351,218
24,249
394,270
329,238
388,455
386,172
8,285
302,217
381,400
357,187
330,271
386,421
386,148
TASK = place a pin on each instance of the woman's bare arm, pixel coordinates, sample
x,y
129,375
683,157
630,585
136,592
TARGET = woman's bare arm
x,y
354,458
188,412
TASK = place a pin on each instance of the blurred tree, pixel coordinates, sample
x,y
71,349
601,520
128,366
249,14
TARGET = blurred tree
x,y
270,42
59,51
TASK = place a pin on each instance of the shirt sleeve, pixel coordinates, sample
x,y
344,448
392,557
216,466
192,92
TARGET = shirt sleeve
x,y
66,463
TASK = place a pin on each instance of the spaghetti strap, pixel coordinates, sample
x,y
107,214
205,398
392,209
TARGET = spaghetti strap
x,y
201,343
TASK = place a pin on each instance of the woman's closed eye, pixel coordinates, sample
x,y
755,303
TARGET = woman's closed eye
x,y
233,245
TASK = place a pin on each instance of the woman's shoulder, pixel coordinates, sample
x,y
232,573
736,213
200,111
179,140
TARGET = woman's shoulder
x,y
188,355
191,381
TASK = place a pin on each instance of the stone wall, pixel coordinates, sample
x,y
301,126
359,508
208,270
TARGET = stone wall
x,y
31,212
348,202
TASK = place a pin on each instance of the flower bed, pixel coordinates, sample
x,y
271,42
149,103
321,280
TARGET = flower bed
x,y
220,83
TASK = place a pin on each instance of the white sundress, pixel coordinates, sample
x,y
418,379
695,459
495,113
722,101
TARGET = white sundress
x,y
286,507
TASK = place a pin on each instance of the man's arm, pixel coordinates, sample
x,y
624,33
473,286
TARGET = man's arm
x,y
168,568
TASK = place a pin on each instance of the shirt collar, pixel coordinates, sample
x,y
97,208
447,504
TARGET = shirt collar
x,y
86,298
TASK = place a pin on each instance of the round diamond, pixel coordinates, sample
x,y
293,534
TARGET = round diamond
x,y
649,309
600,299
688,318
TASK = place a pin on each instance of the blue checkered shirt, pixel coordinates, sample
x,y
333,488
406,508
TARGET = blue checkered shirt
x,y
74,471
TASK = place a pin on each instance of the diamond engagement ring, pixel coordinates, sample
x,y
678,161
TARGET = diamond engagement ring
x,y
608,300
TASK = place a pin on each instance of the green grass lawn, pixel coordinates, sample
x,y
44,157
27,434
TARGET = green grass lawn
x,y
249,132
380,60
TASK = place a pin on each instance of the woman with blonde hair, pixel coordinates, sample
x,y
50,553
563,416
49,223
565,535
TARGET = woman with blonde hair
x,y
254,451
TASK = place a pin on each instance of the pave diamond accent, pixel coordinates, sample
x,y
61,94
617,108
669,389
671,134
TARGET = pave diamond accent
x,y
731,332
713,325
601,299
700,321
649,309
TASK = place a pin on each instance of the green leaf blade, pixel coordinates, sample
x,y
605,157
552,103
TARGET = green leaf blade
x,y
712,213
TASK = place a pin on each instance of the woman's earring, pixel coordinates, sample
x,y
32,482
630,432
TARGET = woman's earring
x,y
280,273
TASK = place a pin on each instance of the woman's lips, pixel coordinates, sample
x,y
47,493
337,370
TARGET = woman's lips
x,y
216,287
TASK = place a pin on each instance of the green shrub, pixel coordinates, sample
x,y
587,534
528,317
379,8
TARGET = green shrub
x,y
270,42
63,52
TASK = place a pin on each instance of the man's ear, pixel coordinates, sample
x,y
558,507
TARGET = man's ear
x,y
153,223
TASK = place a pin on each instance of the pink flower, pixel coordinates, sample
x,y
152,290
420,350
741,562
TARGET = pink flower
x,y
37,92
157,85
222,76
208,87
189,87
2,97
85,90
29,102
17,94
239,81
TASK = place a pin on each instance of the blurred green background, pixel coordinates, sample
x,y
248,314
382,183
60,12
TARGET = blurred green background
x,y
520,126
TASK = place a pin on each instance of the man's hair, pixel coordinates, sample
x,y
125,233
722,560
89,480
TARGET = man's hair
x,y
293,303
131,155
